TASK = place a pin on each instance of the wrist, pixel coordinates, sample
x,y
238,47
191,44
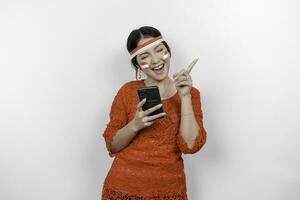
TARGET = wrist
x,y
133,127
187,97
187,114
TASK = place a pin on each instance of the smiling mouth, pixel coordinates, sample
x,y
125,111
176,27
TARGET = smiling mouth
x,y
158,67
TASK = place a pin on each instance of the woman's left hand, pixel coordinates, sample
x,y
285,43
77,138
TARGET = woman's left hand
x,y
183,82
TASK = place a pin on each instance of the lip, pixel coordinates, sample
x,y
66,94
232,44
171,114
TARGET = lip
x,y
163,64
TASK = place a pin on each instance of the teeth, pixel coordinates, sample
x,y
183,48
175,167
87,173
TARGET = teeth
x,y
159,67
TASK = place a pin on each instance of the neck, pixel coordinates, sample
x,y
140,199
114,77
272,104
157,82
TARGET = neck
x,y
163,85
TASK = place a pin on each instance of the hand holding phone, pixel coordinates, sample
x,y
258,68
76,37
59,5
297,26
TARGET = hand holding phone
x,y
147,113
151,93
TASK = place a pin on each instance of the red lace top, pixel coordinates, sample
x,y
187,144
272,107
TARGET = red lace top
x,y
151,166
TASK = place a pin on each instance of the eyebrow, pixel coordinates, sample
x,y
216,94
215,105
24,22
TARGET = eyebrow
x,y
143,53
158,46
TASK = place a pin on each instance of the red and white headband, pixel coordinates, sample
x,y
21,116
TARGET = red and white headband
x,y
146,45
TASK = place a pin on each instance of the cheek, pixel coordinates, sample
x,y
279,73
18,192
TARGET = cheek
x,y
147,71
144,63
166,55
168,65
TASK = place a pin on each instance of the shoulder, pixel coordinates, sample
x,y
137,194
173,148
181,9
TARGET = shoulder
x,y
130,86
127,91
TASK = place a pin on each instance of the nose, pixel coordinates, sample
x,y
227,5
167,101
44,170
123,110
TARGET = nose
x,y
155,59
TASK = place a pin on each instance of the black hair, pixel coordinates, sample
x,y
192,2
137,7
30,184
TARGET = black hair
x,y
136,35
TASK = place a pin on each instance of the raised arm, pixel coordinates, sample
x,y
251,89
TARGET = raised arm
x,y
192,135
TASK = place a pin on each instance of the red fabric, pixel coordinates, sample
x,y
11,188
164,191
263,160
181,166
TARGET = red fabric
x,y
151,166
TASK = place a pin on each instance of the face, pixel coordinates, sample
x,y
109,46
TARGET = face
x,y
154,61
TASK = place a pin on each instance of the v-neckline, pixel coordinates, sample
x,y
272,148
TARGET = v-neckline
x,y
163,100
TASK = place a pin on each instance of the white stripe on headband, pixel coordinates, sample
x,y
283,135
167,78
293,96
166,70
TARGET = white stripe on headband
x,y
146,47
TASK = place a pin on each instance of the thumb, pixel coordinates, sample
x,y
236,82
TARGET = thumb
x,y
174,75
140,104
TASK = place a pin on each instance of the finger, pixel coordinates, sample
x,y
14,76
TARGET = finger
x,y
181,78
149,123
174,75
184,83
150,110
188,77
185,73
190,67
179,74
184,76
140,104
153,117
188,81
145,119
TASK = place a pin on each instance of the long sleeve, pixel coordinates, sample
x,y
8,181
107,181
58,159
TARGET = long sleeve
x,y
118,119
201,137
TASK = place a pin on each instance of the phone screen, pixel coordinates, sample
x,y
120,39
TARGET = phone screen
x,y
151,93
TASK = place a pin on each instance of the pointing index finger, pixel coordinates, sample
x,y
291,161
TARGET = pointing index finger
x,y
190,67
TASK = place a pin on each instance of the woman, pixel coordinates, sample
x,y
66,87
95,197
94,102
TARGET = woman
x,y
148,149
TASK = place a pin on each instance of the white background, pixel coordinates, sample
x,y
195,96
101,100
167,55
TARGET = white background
x,y
62,62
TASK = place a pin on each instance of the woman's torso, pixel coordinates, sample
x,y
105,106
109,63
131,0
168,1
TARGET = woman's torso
x,y
152,162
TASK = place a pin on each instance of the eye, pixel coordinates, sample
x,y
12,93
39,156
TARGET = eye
x,y
144,57
160,50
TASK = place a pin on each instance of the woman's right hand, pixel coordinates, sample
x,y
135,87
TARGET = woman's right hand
x,y
141,120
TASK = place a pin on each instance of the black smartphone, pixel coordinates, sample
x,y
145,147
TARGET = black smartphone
x,y
151,93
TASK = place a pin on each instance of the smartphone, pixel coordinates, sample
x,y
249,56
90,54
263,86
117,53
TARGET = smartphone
x,y
151,93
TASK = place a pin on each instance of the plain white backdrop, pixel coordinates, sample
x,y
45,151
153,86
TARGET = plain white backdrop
x,y
63,61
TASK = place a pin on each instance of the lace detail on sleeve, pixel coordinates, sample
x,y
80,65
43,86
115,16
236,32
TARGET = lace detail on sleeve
x,y
118,119
201,137
110,194
199,142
